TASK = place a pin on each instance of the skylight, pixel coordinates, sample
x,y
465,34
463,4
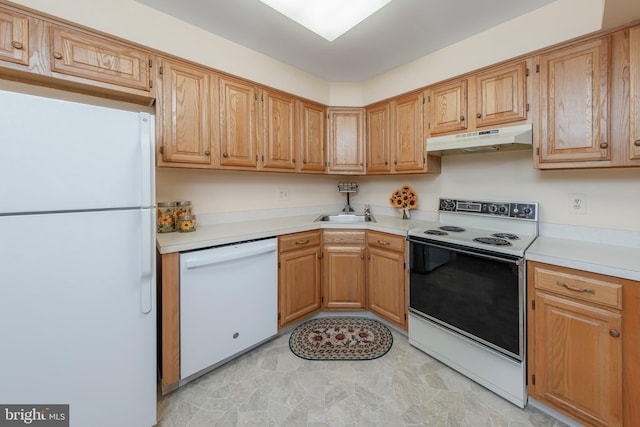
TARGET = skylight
x,y
328,18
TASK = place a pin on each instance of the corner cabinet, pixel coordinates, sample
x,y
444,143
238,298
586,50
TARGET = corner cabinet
x,y
299,276
184,114
346,133
576,343
574,105
343,267
387,277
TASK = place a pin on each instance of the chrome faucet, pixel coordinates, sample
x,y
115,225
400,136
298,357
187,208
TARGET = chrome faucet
x,y
367,210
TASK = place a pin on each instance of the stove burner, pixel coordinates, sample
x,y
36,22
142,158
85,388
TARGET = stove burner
x,y
436,232
452,228
506,236
493,241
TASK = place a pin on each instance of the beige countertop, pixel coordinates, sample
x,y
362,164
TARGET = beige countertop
x,y
609,259
219,234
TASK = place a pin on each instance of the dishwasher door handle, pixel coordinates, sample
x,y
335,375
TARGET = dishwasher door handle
x,y
226,255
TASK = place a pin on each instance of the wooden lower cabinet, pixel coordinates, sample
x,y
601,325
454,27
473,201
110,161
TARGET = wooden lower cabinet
x,y
386,277
298,276
582,345
343,267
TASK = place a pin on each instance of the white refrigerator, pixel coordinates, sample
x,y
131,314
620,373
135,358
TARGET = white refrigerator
x,y
77,260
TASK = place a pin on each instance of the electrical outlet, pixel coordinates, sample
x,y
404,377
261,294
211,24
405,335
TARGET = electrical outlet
x,y
283,194
578,204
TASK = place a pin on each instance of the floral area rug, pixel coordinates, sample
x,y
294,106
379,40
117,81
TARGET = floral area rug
x,y
341,338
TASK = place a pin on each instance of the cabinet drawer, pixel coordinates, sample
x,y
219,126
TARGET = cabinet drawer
x,y
386,241
582,285
348,237
305,239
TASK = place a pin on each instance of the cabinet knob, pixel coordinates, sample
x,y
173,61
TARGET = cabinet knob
x,y
293,160
604,145
361,256
395,162
225,154
636,142
17,45
462,118
304,161
479,115
57,55
207,152
614,333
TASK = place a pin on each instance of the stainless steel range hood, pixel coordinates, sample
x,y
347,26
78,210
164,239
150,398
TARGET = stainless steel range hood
x,y
500,139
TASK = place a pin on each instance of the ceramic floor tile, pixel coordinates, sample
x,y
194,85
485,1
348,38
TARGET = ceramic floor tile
x,y
272,387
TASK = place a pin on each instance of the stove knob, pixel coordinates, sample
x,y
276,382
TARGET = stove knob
x,y
493,208
527,211
502,209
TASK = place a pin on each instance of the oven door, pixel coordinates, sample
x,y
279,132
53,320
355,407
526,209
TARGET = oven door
x,y
478,294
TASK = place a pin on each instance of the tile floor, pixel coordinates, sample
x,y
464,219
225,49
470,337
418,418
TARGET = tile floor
x,y
269,386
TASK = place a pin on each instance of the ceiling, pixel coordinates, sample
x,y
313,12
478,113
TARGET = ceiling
x,y
400,32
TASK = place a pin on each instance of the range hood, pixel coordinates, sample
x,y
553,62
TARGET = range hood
x,y
500,139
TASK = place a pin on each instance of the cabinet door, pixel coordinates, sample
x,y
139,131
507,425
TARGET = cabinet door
x,y
14,37
313,140
577,364
238,140
344,280
447,107
634,88
346,140
279,117
501,95
185,110
299,284
407,134
83,55
379,138
574,102
386,285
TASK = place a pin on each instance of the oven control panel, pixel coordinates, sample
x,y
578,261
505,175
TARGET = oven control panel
x,y
517,210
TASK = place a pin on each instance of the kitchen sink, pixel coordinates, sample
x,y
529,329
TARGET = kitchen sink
x,y
346,218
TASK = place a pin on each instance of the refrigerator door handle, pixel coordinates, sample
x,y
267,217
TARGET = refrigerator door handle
x,y
148,257
147,158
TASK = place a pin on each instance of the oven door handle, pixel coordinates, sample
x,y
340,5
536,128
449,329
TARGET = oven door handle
x,y
517,261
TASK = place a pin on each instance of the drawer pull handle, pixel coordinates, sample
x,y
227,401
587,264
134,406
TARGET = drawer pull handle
x,y
302,242
614,333
57,55
17,45
571,288
383,242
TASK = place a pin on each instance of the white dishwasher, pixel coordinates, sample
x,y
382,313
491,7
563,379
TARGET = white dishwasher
x,y
228,302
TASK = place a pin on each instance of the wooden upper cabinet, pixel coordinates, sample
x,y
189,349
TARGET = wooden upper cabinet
x,y
92,57
447,107
14,37
346,140
312,124
574,103
408,153
185,114
634,95
279,120
379,138
501,95
238,138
